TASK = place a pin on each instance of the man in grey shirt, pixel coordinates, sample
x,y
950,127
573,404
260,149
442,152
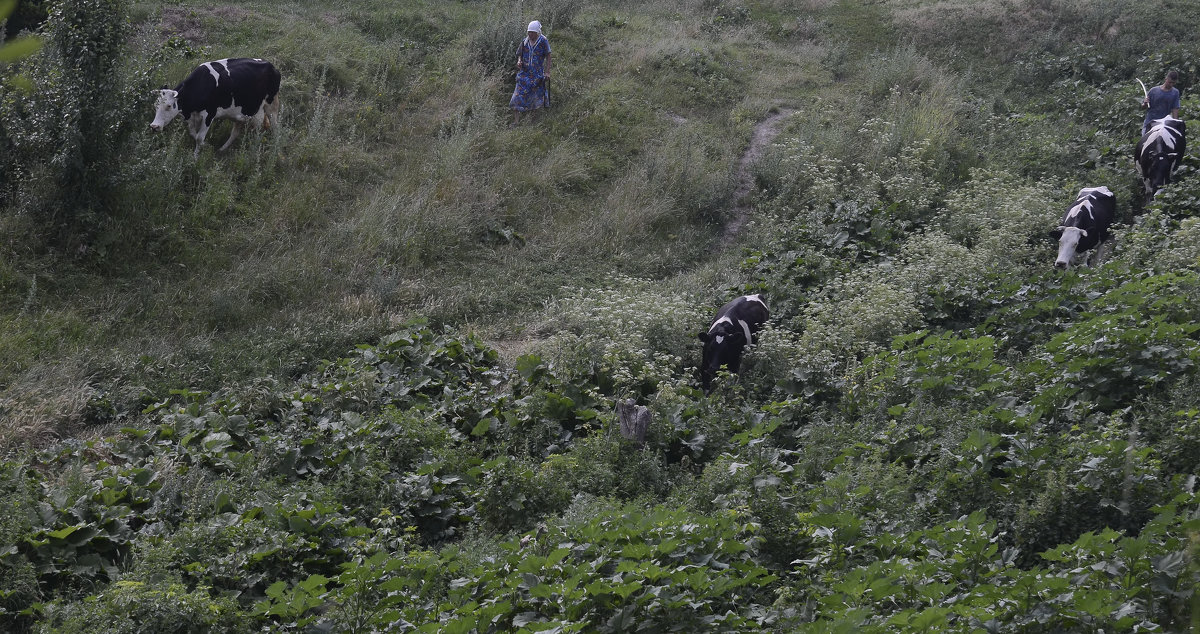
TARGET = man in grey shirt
x,y
1161,101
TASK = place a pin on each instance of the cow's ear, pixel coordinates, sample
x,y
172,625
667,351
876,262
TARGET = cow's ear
x,y
164,87
1056,234
703,337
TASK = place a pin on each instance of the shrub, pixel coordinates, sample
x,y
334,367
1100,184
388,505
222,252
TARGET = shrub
x,y
635,332
856,317
62,136
18,578
28,15
933,368
1140,338
129,607
514,496
1103,477
602,464
1001,216
778,360
626,568
1160,244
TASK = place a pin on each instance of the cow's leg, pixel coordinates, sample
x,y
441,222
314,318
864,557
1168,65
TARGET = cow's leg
x,y
270,111
198,130
1100,254
1092,258
233,135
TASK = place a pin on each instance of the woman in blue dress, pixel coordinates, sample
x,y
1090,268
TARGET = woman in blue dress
x,y
533,73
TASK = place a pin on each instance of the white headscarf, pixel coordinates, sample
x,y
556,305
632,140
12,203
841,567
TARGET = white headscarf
x,y
535,26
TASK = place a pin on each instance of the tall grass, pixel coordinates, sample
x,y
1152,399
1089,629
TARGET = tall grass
x,y
1004,31
393,185
885,398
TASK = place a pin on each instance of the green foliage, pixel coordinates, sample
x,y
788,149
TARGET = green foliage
x,y
660,570
26,15
625,570
18,578
88,537
655,335
1135,338
494,44
937,366
133,606
513,496
955,576
936,431
14,22
65,122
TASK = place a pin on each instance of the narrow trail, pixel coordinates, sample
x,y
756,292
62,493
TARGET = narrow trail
x,y
764,134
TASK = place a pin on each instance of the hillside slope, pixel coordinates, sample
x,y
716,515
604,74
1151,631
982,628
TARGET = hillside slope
x,y
362,372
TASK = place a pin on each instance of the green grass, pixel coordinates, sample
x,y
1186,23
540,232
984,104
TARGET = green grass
x,y
195,384
395,187
381,193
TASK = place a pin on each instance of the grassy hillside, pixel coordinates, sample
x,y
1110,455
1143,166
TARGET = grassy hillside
x,y
394,188
361,372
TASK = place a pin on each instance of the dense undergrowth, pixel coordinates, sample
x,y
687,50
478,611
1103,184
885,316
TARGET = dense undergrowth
x,y
362,372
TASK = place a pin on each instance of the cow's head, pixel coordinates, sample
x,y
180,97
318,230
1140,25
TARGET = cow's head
x,y
1068,239
165,109
1161,149
723,345
1157,169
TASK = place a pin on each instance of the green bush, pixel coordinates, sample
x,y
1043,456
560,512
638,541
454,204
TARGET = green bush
x,y
18,578
132,607
62,137
1138,338
633,332
661,569
513,496
936,431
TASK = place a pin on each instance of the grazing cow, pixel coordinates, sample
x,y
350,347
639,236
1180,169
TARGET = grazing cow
x,y
1085,225
735,327
240,89
1159,153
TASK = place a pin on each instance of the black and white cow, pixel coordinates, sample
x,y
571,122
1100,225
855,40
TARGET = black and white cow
x,y
241,89
1159,153
734,328
1085,225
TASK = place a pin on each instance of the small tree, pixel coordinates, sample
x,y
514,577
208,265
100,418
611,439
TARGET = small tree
x,y
18,48
63,126
12,51
89,36
27,15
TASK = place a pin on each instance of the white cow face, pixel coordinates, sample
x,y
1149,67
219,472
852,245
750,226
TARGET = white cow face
x,y
1067,244
166,109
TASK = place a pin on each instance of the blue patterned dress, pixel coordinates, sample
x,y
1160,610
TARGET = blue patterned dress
x,y
532,92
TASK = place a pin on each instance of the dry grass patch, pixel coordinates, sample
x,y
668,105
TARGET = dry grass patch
x,y
44,403
1006,28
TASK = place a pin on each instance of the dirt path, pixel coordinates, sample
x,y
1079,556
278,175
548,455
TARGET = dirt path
x,y
764,133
